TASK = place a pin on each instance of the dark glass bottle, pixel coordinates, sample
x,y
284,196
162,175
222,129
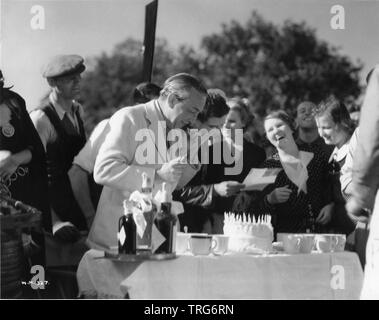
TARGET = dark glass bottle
x,y
127,232
165,222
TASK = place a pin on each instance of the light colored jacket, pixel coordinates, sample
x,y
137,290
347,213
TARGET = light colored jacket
x,y
366,181
119,169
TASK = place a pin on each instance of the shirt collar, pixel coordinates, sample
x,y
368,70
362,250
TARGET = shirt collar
x,y
60,111
161,116
341,153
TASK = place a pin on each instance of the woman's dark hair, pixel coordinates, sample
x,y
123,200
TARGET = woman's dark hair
x,y
338,113
215,106
145,92
239,105
282,115
3,91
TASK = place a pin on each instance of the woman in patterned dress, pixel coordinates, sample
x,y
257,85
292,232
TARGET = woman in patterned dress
x,y
299,197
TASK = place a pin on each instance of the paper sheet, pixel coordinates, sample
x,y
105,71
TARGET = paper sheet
x,y
258,179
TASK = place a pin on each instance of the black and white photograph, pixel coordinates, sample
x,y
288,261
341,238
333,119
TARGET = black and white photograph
x,y
195,152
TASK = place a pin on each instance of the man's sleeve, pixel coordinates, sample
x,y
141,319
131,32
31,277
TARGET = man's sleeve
x,y
114,165
366,157
87,156
84,158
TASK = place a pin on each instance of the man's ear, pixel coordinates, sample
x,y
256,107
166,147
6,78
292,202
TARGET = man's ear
x,y
172,100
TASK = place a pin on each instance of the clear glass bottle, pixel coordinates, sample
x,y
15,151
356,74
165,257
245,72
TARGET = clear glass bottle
x,y
144,243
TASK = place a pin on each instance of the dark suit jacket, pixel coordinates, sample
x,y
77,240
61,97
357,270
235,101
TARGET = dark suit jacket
x,y
198,196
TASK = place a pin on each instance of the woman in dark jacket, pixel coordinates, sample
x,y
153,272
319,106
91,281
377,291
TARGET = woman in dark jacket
x,y
336,128
211,192
297,199
23,174
251,156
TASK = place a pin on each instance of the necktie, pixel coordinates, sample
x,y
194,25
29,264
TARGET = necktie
x,y
68,125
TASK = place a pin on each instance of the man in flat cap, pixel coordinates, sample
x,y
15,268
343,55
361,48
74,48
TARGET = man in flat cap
x,y
60,127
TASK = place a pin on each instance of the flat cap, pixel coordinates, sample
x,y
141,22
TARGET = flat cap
x,y
64,65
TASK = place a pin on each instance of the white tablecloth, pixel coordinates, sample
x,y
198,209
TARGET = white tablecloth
x,y
279,276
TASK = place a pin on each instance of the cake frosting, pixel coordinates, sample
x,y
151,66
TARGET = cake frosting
x,y
248,234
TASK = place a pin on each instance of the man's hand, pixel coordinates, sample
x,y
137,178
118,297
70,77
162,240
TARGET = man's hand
x,y
356,212
325,214
228,188
172,171
8,164
279,195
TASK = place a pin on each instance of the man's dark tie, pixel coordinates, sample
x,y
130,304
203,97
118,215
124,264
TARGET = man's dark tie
x,y
69,126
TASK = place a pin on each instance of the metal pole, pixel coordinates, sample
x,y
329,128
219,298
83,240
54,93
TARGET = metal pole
x,y
149,40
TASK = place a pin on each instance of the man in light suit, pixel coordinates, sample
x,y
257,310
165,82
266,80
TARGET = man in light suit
x,y
120,164
365,185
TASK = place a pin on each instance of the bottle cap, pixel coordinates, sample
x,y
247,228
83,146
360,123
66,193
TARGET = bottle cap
x,y
146,182
128,207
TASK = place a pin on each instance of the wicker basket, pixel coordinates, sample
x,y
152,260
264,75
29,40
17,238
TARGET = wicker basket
x,y
14,217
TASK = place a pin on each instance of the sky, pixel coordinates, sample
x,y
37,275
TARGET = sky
x,y
88,28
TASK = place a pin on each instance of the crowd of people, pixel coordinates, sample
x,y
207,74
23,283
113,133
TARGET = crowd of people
x,y
79,184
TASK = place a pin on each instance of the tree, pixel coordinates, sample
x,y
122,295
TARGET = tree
x,y
110,79
277,67
273,66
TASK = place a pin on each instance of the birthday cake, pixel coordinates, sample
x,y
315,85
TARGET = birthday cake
x,y
248,234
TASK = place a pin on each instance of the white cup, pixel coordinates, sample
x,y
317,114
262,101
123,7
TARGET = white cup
x,y
324,243
339,242
280,236
307,243
222,243
291,243
201,244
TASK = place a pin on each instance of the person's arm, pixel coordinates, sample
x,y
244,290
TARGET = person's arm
x,y
80,187
366,156
10,162
113,166
194,193
200,195
22,157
